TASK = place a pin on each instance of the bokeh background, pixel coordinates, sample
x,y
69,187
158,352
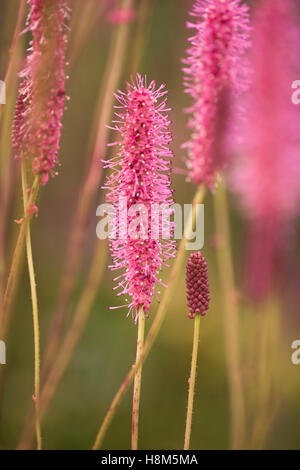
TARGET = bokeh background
x,y
107,346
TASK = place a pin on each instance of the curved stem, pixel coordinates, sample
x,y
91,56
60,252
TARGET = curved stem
x,y
11,81
267,406
68,346
6,114
15,263
192,381
137,382
157,322
35,315
6,306
138,42
16,34
231,321
84,18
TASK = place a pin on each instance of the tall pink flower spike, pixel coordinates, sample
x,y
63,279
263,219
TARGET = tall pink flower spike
x,y
40,106
141,174
215,69
267,174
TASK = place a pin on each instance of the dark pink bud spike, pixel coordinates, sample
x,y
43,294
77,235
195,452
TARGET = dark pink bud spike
x,y
197,285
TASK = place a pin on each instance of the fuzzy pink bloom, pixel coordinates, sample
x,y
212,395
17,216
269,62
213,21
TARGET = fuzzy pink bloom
x,y
214,70
140,175
267,175
197,285
40,106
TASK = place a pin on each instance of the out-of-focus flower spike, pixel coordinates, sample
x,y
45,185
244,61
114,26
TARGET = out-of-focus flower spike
x,y
215,68
267,173
40,105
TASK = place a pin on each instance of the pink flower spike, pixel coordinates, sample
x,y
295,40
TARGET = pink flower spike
x,y
214,70
40,105
141,177
267,173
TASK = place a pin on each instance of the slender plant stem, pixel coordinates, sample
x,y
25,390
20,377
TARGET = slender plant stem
x,y
137,383
13,276
6,114
268,335
68,346
35,315
18,27
84,18
138,42
13,272
6,310
192,381
104,109
231,320
263,377
157,322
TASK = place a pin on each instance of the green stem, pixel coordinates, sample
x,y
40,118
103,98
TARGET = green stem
x,y
192,381
137,383
15,263
231,320
84,18
157,322
140,36
69,343
15,268
35,315
6,115
268,334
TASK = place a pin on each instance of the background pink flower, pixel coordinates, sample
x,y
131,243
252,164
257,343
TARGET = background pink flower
x,y
214,70
40,105
267,174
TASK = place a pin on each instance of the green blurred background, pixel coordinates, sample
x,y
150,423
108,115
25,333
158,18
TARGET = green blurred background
x,y
107,347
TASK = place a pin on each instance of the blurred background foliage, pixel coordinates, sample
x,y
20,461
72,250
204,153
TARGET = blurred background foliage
x,y
107,347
